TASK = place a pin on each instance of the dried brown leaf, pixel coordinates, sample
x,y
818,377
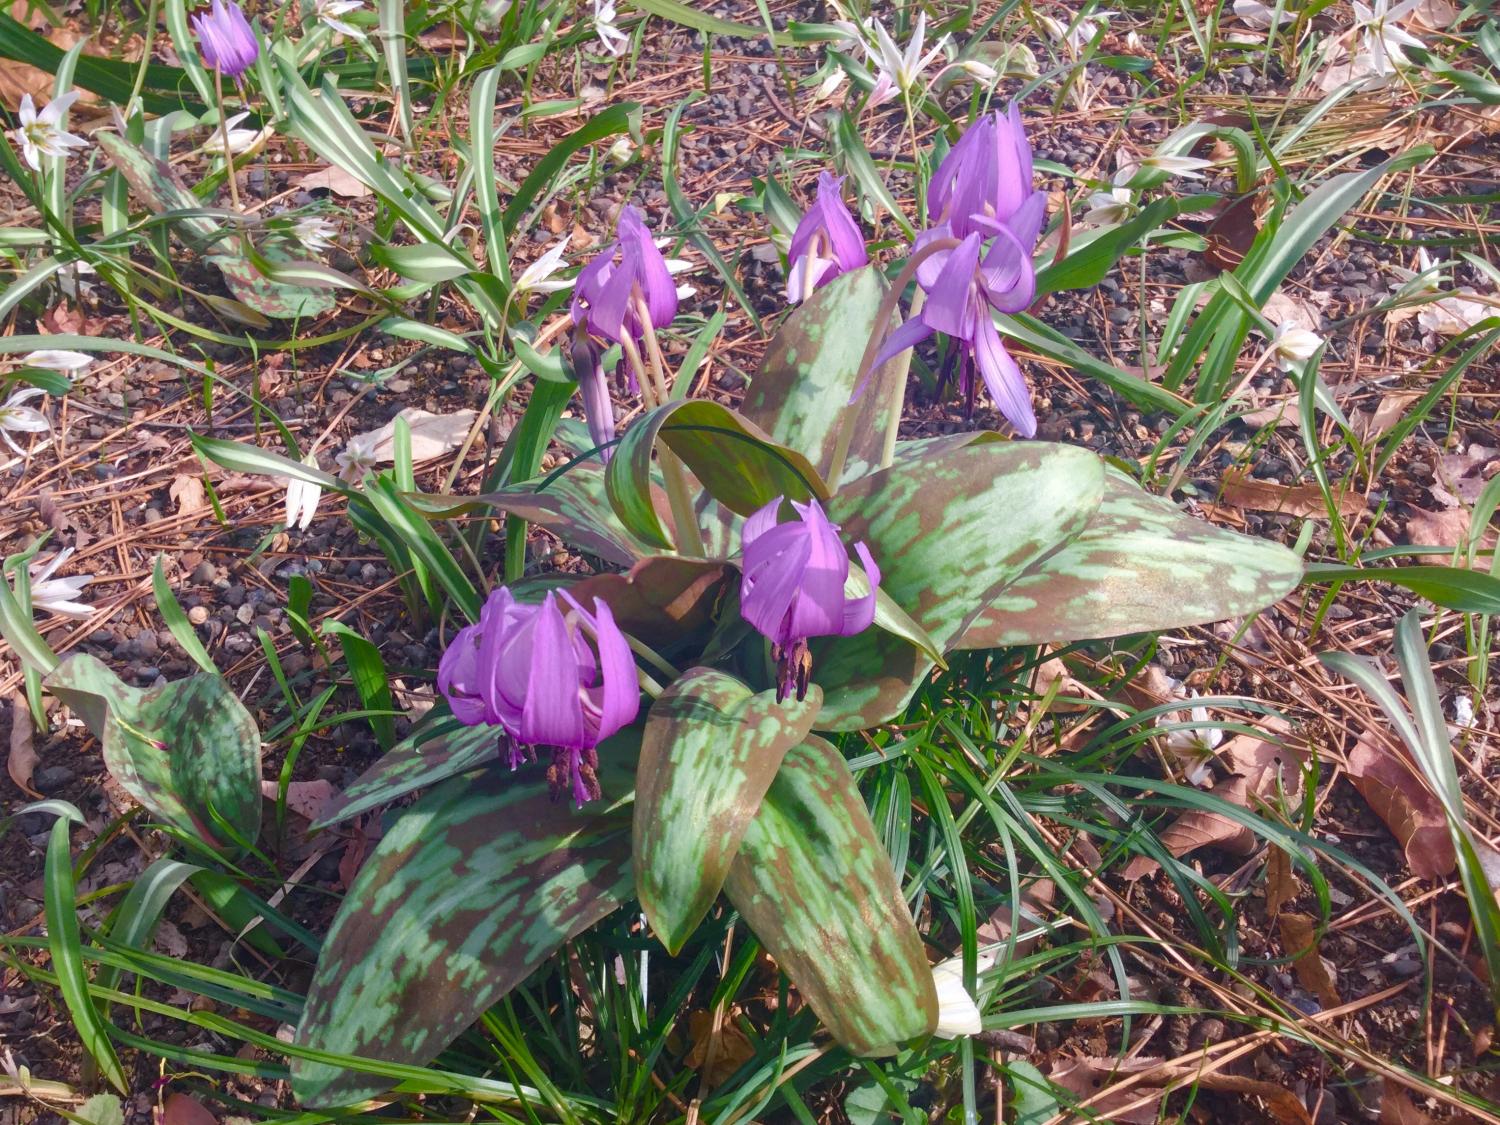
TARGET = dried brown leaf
x,y
1409,808
1448,528
21,762
1397,1108
1198,828
1299,939
1282,885
334,179
183,1110
1086,1078
1287,500
1392,406
1036,906
187,492
305,798
432,435
716,1056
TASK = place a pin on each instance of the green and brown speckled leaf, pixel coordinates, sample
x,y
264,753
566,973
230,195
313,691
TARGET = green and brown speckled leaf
x,y
156,184
948,531
818,890
278,299
468,894
737,462
412,764
1140,564
666,601
711,748
187,750
800,393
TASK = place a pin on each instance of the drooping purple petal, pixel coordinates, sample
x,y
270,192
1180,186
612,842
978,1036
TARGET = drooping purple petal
x,y
649,268
458,674
859,614
598,408
1007,386
553,715
607,293
826,243
619,692
948,301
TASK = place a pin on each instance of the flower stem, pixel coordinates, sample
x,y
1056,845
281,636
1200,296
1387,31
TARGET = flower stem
x,y
689,538
898,402
888,306
234,188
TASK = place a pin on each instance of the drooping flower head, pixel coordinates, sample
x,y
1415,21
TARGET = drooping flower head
x,y
981,196
827,242
627,288
41,134
792,586
587,360
16,417
551,675
226,39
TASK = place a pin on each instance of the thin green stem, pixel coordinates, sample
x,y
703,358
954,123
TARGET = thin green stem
x,y
234,188
653,386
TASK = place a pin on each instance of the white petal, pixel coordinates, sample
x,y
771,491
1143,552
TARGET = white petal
x,y
957,1012
56,359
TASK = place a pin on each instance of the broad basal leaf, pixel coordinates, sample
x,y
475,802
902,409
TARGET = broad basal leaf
x,y
667,601
188,750
435,755
473,889
1140,564
948,530
818,890
267,296
710,750
801,392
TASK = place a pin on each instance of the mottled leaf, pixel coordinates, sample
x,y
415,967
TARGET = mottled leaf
x,y
666,601
467,895
710,751
435,755
156,184
800,394
280,299
737,462
1140,564
187,750
818,890
948,530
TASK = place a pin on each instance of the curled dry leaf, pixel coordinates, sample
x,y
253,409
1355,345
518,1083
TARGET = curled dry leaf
x,y
716,1056
305,798
1199,828
336,180
187,492
1448,528
1269,764
1392,407
1299,939
432,435
1288,500
1282,885
21,762
1397,1108
1036,908
183,1110
1409,808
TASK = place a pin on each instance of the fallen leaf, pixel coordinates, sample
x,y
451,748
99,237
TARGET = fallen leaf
x,y
183,1110
1230,236
1285,310
1268,763
354,855
186,491
1464,475
1448,528
21,762
432,435
334,179
1287,500
1069,690
1392,406
1282,885
716,1057
1087,1077
1198,828
1036,907
18,79
170,941
1409,808
1299,940
1396,1107
305,798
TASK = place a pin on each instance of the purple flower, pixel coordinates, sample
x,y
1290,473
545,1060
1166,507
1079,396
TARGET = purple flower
x,y
552,675
625,297
226,38
587,360
792,586
827,243
985,179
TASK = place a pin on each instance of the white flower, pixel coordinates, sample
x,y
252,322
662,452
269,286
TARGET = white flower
x,y
1194,742
538,277
1455,315
1110,208
70,278
302,498
21,419
615,41
1080,36
1252,13
622,150
957,1012
899,70
357,457
56,595
57,360
331,14
1188,167
978,71
1294,346
1381,42
241,141
41,134
830,85
314,232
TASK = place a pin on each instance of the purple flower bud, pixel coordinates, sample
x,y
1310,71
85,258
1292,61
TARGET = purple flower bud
x,y
551,675
827,243
985,179
792,587
587,360
627,288
226,38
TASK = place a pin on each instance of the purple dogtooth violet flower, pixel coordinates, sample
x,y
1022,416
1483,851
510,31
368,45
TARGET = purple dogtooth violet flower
x,y
627,289
587,360
827,242
792,587
226,38
552,675
985,179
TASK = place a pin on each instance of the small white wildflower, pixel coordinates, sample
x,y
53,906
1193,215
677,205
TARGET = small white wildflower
x,y
1454,315
830,85
1382,42
41,134
1194,742
978,71
51,359
622,150
331,14
899,70
539,276
357,458
615,41
241,141
1110,208
1081,34
1294,346
58,595
1188,167
957,1013
302,498
1252,13
16,418
315,233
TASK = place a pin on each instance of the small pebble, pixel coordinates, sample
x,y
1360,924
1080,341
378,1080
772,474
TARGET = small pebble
x,y
49,779
245,614
198,614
